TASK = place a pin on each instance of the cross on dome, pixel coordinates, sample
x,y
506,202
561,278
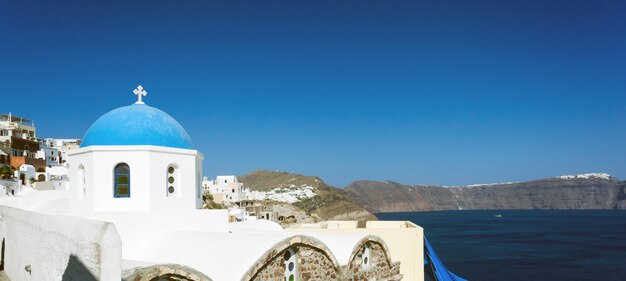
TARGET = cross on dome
x,y
140,92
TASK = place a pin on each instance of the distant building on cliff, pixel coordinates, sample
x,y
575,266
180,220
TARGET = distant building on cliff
x,y
225,189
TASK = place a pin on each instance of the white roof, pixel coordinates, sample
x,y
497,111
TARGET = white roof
x,y
228,256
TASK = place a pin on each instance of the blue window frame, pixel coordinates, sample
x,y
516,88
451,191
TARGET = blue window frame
x,y
121,181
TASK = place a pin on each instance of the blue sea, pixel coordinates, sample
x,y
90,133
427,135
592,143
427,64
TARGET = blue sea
x,y
527,245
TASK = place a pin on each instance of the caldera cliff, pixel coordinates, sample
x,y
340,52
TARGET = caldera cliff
x,y
589,191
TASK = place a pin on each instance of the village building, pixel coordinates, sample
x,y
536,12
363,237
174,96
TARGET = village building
x,y
19,146
225,189
63,146
48,153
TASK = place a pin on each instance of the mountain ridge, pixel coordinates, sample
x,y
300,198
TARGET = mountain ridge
x,y
585,191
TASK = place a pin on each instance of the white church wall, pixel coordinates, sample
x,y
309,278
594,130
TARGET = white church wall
x,y
53,247
105,160
184,178
199,190
81,187
148,178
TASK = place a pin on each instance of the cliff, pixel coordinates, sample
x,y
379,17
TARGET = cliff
x,y
329,203
591,191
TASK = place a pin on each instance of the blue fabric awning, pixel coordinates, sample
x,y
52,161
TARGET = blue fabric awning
x,y
440,271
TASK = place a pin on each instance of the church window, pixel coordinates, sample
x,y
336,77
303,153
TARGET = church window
x,y
290,263
366,258
81,181
171,183
121,181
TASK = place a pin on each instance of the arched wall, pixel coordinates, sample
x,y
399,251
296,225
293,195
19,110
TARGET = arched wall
x,y
315,261
164,272
382,267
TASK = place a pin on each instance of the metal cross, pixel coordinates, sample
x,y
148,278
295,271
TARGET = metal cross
x,y
139,92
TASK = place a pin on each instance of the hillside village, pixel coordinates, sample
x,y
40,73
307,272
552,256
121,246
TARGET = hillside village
x,y
28,162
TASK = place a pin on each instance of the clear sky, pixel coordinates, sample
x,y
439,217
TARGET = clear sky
x,y
434,92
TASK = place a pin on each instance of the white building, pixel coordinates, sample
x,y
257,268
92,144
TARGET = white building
x,y
136,158
13,126
225,188
58,149
50,154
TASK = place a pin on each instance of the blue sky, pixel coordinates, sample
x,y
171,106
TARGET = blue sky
x,y
438,92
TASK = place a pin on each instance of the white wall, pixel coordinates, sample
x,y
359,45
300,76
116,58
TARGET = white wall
x,y
57,247
148,178
135,228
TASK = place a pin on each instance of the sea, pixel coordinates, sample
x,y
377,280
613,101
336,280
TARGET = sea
x,y
526,245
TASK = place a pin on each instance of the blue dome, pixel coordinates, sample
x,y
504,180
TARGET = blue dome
x,y
137,124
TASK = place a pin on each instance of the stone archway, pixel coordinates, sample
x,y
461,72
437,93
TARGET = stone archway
x,y
41,178
164,272
314,261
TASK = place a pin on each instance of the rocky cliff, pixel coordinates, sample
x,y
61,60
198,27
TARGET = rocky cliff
x,y
591,191
329,203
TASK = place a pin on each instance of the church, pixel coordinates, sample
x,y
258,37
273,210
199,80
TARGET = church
x,y
144,154
133,212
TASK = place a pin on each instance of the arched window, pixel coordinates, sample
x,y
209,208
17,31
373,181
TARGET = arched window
x,y
81,181
121,180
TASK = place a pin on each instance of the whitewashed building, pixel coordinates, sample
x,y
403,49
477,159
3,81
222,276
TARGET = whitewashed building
x,y
50,154
225,189
54,151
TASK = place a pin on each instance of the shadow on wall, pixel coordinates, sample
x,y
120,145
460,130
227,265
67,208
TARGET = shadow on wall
x,y
76,271
2,257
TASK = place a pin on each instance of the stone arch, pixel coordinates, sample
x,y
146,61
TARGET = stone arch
x,y
41,177
163,272
315,261
382,267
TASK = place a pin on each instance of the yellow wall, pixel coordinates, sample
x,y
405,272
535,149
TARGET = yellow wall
x,y
404,240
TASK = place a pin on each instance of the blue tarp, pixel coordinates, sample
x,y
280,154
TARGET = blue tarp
x,y
440,271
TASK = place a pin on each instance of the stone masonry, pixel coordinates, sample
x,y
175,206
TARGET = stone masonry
x,y
314,264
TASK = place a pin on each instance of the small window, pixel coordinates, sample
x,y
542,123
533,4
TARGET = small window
x,y
171,182
290,262
366,258
121,181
